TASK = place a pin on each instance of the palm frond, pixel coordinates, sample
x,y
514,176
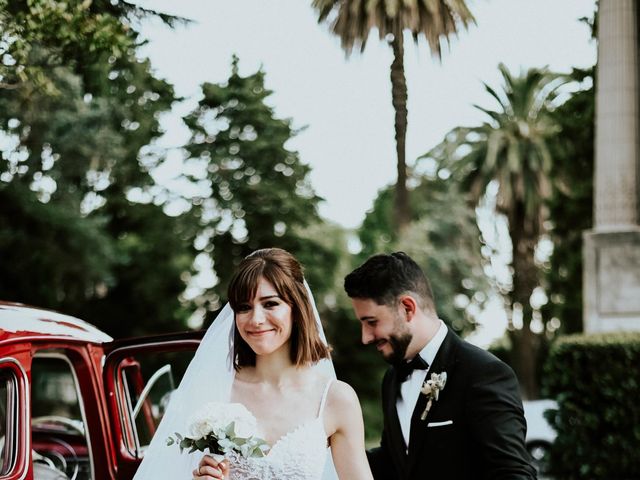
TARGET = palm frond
x,y
495,95
493,114
139,12
353,20
510,146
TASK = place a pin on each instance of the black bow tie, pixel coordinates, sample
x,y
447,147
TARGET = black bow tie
x,y
406,368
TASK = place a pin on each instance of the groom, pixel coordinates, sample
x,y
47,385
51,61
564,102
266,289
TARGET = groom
x,y
474,426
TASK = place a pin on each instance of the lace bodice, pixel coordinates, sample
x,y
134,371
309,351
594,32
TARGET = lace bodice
x,y
301,454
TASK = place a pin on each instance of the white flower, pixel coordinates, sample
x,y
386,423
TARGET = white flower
x,y
222,428
226,445
431,389
215,417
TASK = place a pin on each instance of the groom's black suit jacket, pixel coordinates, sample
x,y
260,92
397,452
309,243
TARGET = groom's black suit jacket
x,y
475,430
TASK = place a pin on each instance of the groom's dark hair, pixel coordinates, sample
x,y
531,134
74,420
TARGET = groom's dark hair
x,y
283,271
384,277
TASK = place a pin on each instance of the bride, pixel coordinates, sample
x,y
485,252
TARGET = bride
x,y
278,367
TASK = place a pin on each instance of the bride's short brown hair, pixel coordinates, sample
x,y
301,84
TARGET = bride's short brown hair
x,y
285,273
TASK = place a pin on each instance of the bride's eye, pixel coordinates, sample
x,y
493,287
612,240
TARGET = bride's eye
x,y
271,304
245,307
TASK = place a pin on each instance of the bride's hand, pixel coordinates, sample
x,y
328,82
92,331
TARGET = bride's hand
x,y
209,468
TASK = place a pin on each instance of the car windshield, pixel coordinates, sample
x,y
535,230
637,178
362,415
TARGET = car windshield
x,y
59,438
54,393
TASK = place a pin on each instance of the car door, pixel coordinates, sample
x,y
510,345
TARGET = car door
x,y
139,377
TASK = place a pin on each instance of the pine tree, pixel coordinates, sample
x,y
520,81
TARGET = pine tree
x,y
260,192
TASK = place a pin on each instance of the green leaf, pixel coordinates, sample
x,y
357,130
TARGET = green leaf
x,y
202,443
230,431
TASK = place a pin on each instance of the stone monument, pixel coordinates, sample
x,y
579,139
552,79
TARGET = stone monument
x,y
611,283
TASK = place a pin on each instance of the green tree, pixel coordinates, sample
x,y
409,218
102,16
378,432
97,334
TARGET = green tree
x,y
49,256
510,150
259,191
436,21
155,251
570,204
443,238
77,173
53,143
36,36
350,357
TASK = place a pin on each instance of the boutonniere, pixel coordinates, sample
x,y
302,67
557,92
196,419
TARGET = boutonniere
x,y
431,389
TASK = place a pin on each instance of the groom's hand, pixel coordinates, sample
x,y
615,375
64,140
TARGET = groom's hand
x,y
210,469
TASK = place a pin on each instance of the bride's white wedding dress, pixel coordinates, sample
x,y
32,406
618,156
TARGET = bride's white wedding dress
x,y
301,454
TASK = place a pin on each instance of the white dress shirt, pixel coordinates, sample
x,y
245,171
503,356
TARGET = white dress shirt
x,y
410,388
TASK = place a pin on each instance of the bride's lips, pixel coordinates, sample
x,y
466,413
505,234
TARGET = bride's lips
x,y
260,333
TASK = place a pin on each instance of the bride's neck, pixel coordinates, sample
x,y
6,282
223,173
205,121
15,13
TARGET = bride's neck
x,y
275,368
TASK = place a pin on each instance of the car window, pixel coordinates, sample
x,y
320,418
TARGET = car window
x,y
147,381
54,390
57,425
8,424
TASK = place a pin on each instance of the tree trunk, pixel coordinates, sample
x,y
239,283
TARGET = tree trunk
x,y
526,346
525,343
399,99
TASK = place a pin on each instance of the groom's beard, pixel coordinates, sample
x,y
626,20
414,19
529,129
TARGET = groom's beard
x,y
399,343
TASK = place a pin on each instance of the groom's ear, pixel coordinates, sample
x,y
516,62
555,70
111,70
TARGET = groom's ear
x,y
409,306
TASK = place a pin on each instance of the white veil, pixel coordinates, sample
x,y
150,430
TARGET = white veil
x,y
208,378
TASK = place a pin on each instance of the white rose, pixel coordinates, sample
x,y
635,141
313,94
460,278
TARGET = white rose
x,y
216,417
200,428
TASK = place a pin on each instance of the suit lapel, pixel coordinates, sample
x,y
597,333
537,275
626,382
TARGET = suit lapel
x,y
443,362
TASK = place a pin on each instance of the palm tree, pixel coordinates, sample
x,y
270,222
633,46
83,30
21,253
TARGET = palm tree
x,y
436,20
510,150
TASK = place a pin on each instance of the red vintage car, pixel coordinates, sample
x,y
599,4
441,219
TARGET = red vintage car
x,y
74,403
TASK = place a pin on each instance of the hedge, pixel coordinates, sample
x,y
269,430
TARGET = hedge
x,y
596,381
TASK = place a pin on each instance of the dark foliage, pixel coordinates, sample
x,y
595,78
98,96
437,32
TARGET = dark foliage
x,y
596,382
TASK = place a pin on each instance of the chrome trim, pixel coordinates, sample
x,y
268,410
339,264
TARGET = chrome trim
x,y
150,383
131,419
151,344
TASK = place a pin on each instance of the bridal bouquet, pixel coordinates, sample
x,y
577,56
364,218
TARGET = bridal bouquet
x,y
222,428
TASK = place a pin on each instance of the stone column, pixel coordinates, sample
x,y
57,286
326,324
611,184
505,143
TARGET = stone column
x,y
612,249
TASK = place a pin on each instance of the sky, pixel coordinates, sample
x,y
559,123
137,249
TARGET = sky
x,y
344,103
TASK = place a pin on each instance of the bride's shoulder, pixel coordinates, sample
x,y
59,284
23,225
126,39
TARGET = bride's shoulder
x,y
341,396
342,411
